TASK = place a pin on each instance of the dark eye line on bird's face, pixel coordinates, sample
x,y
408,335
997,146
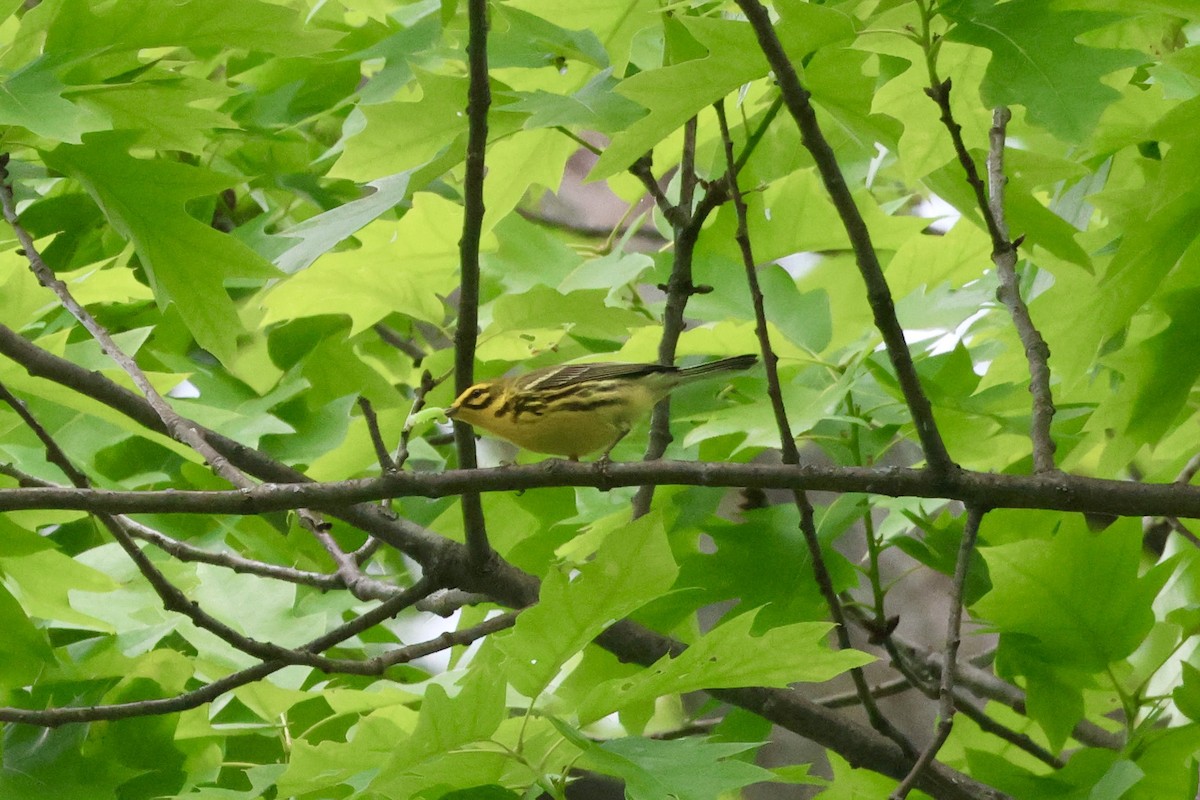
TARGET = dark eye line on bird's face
x,y
478,399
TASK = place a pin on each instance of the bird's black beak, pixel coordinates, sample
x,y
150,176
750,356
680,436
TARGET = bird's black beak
x,y
451,411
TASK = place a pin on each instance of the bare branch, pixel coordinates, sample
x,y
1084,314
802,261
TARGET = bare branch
x,y
426,386
401,343
54,717
946,700
479,99
686,223
1004,250
1058,492
796,98
851,698
418,543
1037,352
982,683
787,442
381,451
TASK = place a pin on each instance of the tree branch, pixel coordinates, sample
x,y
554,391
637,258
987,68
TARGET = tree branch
x,y
1004,251
796,98
479,99
1058,492
51,718
946,700
789,453
679,290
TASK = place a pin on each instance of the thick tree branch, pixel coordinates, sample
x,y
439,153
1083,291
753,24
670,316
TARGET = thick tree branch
x,y
1058,492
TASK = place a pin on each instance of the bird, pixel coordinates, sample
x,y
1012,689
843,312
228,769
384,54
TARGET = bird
x,y
575,409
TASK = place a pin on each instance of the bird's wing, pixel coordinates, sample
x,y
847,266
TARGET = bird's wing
x,y
570,374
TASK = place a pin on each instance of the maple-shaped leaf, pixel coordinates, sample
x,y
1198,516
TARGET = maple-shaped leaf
x,y
1038,62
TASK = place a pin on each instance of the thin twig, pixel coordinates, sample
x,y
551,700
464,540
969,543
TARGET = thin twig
x,y
851,698
685,225
401,343
419,394
366,550
1004,250
1189,471
1017,739
946,704
1037,352
796,98
479,99
350,572
381,451
789,453
984,684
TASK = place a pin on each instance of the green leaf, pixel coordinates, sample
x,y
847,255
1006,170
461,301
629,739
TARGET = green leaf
x,y
686,769
80,27
52,585
1160,370
628,571
165,114
520,39
614,26
490,792
32,97
1044,595
24,651
729,657
849,783
400,136
448,723
675,93
1038,62
188,261
1167,761
595,106
403,267
318,235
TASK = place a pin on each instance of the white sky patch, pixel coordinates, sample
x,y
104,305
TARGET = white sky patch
x,y
184,390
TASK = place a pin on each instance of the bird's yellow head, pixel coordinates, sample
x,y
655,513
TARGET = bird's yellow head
x,y
474,401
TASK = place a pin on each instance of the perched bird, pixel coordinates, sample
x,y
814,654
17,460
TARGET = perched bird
x,y
576,409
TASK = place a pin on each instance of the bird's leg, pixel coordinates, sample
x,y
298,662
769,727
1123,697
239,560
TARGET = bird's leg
x,y
605,458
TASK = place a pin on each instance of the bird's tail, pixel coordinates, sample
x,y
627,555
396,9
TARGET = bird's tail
x,y
722,365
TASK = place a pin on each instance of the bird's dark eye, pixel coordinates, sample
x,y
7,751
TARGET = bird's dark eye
x,y
478,398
